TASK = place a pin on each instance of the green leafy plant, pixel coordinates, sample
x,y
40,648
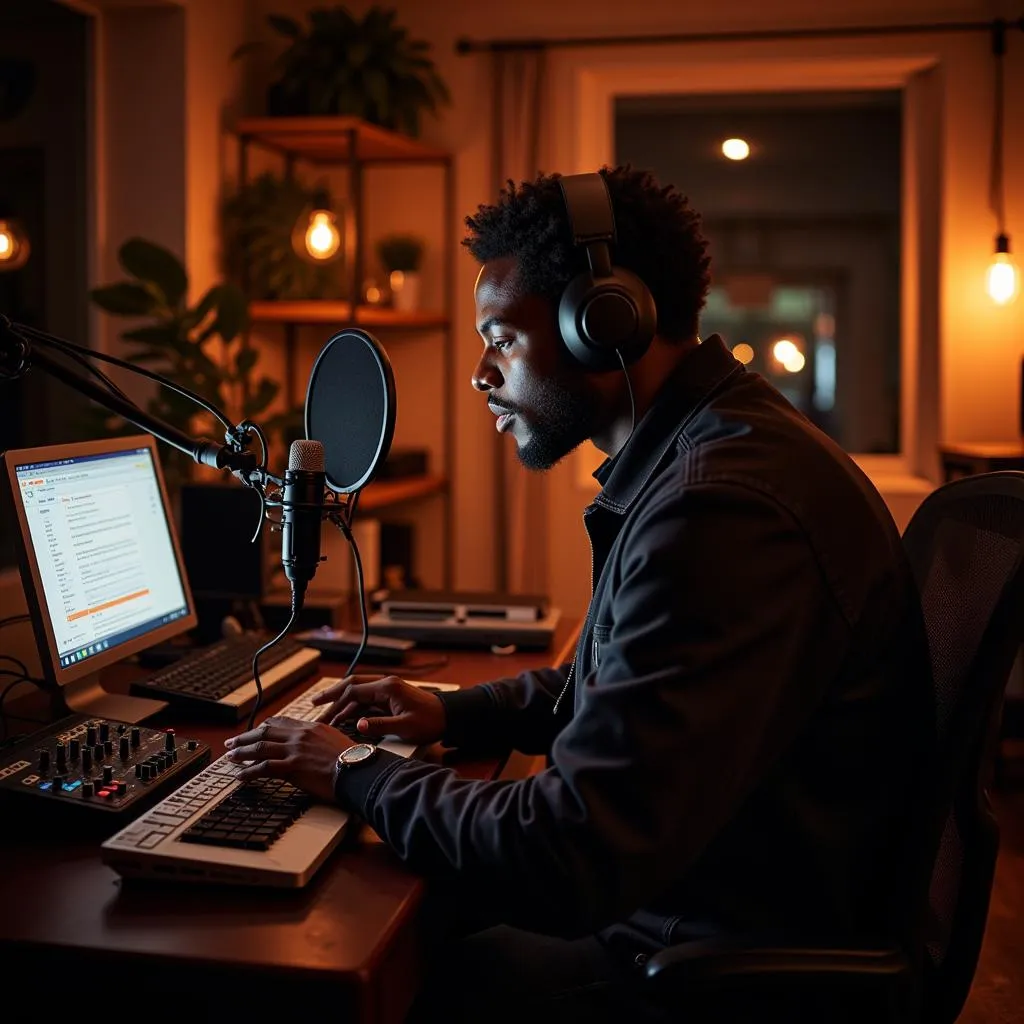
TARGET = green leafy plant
x,y
367,68
178,341
258,221
400,252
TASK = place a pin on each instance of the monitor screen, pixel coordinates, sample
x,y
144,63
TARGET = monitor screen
x,y
100,559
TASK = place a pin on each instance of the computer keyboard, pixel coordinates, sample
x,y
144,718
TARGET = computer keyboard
x,y
263,832
217,682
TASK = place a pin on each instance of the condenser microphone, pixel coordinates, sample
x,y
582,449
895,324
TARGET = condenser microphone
x,y
302,515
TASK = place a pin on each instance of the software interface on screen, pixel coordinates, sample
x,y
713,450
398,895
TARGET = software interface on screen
x,y
103,545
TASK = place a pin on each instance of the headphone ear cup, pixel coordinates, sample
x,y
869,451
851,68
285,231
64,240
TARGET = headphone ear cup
x,y
582,298
582,348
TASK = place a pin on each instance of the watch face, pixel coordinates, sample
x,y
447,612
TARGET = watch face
x,y
357,753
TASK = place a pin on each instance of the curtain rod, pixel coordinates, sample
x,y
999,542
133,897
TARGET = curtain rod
x,y
466,46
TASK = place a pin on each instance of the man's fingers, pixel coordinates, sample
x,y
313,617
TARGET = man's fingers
x,y
262,770
261,750
378,726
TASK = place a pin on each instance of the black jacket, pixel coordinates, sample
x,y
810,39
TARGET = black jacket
x,y
738,740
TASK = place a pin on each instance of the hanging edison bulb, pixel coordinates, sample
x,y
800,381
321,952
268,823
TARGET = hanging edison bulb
x,y
322,239
1002,279
14,246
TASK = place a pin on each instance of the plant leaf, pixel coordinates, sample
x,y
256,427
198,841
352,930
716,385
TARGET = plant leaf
x,y
232,312
245,361
126,298
286,26
266,391
150,262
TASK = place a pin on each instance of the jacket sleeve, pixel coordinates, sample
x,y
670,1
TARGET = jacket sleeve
x,y
516,713
712,667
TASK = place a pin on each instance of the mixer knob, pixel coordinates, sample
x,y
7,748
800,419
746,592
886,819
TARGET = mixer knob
x,y
169,739
86,758
193,744
108,747
122,787
87,788
74,749
62,757
58,784
97,751
122,729
104,732
155,764
124,750
90,735
136,736
138,770
108,774
44,761
147,772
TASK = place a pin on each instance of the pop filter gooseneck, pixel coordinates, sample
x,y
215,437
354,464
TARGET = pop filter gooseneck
x,y
350,408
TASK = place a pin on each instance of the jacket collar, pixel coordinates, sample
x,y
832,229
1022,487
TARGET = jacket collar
x,y
699,374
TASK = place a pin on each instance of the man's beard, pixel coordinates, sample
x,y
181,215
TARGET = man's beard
x,y
560,420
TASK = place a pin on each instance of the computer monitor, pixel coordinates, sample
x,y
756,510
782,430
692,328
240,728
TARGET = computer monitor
x,y
100,563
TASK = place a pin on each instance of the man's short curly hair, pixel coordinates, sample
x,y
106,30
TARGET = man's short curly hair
x,y
658,238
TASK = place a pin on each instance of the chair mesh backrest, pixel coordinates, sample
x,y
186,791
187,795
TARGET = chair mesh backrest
x,y
965,546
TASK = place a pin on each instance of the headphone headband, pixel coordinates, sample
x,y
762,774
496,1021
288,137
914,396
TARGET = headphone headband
x,y
606,315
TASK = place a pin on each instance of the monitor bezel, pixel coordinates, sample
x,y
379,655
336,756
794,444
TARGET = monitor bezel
x,y
32,581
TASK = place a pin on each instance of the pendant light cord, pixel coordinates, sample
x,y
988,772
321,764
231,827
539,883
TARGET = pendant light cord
x,y
996,199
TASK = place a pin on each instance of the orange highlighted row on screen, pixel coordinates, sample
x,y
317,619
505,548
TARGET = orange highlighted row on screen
x,y
107,604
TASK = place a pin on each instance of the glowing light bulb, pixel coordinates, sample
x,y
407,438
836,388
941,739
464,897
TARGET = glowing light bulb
x,y
1002,279
743,352
795,363
735,149
322,236
14,246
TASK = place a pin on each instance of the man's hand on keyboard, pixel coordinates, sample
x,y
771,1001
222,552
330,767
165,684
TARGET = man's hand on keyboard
x,y
303,753
414,715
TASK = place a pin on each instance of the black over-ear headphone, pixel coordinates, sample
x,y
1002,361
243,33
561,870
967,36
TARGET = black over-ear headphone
x,y
605,311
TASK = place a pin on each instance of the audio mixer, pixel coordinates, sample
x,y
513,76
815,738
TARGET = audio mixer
x,y
81,768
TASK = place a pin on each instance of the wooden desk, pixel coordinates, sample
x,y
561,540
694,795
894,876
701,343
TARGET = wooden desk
x,y
347,945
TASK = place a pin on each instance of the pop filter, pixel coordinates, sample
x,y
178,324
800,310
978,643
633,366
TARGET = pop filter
x,y
350,408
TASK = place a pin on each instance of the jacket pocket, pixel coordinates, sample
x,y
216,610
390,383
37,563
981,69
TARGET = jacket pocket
x,y
601,636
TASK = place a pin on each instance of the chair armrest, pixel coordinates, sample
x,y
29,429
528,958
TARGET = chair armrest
x,y
708,962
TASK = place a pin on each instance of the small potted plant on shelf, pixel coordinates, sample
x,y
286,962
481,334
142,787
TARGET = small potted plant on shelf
x,y
401,257
361,67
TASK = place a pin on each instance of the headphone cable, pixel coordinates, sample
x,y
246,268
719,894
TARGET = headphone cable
x,y
632,400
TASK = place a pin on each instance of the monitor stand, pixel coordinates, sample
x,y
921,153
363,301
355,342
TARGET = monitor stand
x,y
87,697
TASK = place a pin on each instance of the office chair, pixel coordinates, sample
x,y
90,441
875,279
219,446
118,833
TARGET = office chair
x,y
965,544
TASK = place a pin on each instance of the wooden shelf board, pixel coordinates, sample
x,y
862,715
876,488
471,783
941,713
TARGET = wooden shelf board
x,y
392,492
322,311
328,139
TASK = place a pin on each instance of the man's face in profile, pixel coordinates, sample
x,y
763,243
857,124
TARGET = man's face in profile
x,y
539,394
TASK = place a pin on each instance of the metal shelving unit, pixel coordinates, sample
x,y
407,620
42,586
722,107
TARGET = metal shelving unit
x,y
355,144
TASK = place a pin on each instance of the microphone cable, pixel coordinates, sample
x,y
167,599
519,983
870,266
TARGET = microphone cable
x,y
256,663
343,524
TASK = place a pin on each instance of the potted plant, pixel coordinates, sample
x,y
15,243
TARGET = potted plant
x,y
401,256
362,67
198,346
259,223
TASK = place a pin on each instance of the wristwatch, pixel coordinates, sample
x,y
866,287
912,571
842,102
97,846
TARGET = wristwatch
x,y
358,753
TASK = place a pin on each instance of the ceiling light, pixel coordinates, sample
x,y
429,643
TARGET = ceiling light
x,y
735,149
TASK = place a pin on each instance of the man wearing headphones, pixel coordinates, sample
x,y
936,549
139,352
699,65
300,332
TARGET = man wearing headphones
x,y
735,746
